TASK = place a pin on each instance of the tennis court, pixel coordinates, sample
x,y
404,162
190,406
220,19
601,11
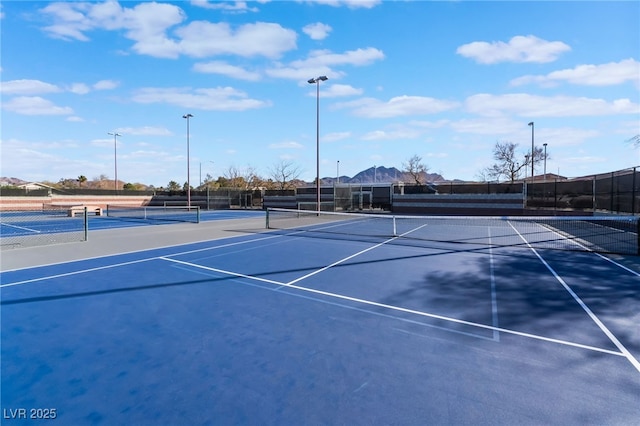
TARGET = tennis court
x,y
308,323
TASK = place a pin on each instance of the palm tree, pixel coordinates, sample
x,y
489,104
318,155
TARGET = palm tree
x,y
81,179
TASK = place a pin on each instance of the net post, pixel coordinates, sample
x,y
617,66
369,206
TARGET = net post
x,y
395,229
197,214
267,219
86,224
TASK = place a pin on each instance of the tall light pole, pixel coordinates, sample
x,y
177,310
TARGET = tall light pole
x,y
338,171
187,117
115,158
532,148
317,81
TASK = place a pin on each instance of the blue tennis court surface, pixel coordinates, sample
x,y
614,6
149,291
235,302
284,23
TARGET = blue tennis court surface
x,y
290,327
18,224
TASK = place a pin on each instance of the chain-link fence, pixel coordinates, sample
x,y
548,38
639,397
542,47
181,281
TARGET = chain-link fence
x,y
51,225
615,192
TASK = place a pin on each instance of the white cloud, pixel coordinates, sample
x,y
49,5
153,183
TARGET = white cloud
x,y
338,90
223,68
608,74
518,49
202,39
106,85
35,105
27,87
144,131
406,133
79,88
336,136
398,106
526,105
218,99
352,4
147,25
317,31
226,6
487,126
320,62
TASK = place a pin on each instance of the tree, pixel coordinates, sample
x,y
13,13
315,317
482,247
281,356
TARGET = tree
x,y
173,186
284,174
509,164
67,183
635,141
241,178
416,169
81,179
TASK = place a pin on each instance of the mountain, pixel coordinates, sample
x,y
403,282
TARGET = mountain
x,y
383,175
11,181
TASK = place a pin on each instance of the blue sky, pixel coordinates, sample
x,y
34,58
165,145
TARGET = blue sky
x,y
442,80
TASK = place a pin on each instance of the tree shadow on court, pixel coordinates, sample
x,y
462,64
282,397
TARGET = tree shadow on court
x,y
526,296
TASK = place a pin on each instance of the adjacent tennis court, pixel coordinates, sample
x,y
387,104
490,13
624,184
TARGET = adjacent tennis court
x,y
322,320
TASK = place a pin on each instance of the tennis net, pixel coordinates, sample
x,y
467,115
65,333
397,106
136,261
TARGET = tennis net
x,y
602,234
152,213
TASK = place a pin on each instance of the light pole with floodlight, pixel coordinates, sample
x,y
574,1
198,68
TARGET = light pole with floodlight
x,y
115,158
317,81
187,117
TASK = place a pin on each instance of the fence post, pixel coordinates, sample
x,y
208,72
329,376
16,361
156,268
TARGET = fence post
x,y
555,196
86,224
611,194
633,192
593,194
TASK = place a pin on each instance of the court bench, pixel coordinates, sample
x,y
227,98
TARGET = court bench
x,y
80,209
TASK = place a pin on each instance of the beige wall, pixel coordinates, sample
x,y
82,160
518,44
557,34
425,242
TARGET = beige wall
x,y
35,203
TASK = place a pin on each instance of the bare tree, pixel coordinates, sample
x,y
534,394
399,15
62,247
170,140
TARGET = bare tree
x,y
416,169
509,164
635,140
242,178
284,173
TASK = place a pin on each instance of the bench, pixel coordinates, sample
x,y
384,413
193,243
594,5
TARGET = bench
x,y
80,209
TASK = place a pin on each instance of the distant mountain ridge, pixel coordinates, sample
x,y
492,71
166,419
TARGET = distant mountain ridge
x,y
383,175
11,181
379,174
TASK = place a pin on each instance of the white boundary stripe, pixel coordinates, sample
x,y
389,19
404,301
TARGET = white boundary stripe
x,y
116,265
494,300
222,271
282,285
584,306
68,274
20,227
350,257
618,264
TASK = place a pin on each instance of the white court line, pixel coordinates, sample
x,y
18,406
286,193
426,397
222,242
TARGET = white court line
x,y
83,271
582,246
21,227
351,257
282,285
584,306
221,271
116,265
494,300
